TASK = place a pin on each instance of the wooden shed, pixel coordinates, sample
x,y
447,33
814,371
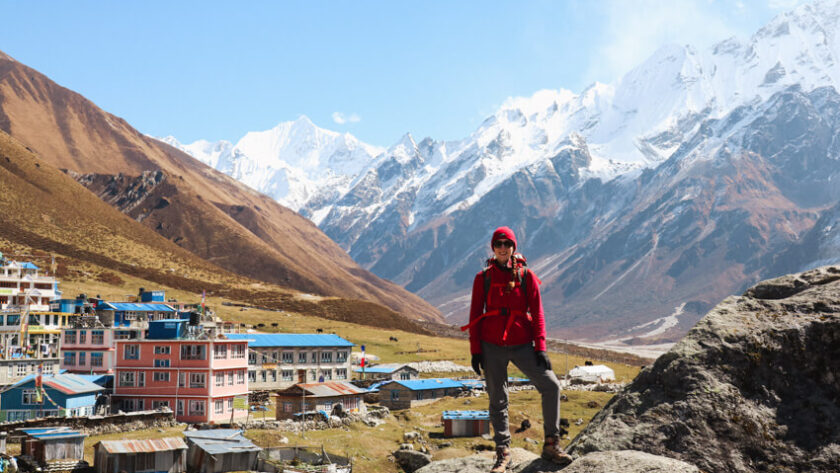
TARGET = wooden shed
x,y
52,443
466,423
320,397
166,455
220,450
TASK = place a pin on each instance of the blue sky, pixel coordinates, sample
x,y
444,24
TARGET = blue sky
x,y
375,69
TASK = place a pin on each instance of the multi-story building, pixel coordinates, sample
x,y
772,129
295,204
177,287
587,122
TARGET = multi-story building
x,y
179,366
89,346
23,287
279,360
28,340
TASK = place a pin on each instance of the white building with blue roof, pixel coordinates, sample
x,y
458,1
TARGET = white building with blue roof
x,y
279,360
64,395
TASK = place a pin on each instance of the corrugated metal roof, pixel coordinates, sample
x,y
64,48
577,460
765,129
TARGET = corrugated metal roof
x,y
291,339
137,307
383,368
69,383
466,415
28,265
58,435
328,389
432,383
220,441
143,446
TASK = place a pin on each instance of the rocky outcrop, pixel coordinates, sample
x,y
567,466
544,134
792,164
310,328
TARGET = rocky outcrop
x,y
598,462
754,386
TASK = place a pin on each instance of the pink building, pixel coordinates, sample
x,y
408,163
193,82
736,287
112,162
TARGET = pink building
x,y
197,378
91,349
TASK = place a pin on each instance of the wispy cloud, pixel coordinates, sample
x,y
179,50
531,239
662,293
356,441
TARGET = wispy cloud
x,y
634,30
342,119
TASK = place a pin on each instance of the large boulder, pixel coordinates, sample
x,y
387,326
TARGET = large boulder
x,y
754,386
598,462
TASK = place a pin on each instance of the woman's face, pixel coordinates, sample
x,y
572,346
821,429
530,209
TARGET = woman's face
x,y
502,249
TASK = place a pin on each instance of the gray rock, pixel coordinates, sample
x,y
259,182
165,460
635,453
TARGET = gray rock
x,y
752,387
410,460
480,463
624,461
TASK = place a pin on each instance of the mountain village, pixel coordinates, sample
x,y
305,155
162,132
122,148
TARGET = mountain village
x,y
70,364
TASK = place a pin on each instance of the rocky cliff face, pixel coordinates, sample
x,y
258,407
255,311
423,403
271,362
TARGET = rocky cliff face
x,y
754,386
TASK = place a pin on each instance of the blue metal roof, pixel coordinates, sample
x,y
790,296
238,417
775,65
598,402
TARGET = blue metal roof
x,y
136,307
220,441
432,383
67,383
473,383
466,415
290,339
28,265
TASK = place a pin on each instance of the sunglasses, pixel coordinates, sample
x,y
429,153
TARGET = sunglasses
x,y
501,243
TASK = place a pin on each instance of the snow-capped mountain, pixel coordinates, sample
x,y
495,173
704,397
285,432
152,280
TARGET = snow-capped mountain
x,y
669,189
290,162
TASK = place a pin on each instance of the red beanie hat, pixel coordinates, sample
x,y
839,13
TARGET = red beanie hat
x,y
503,233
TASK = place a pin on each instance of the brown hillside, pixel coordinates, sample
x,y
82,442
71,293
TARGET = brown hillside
x,y
44,211
198,208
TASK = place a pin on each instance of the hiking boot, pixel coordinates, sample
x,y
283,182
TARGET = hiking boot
x,y
502,460
553,452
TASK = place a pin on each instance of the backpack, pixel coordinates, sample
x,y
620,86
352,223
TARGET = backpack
x,y
520,274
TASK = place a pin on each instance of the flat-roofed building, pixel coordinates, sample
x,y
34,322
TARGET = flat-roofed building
x,y
279,360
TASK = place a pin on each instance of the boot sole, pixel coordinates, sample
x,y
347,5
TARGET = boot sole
x,y
556,461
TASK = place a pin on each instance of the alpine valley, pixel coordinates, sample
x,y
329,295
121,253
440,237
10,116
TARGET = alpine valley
x,y
640,204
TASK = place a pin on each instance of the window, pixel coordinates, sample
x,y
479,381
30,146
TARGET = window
x,y
97,337
82,337
326,374
288,357
230,378
341,373
341,356
252,376
314,357
230,404
161,376
273,376
288,407
193,352
395,394
127,379
252,358
219,407
288,375
263,376
48,368
132,352
21,369
326,357
180,404
81,358
141,379
419,395
70,337
162,350
182,380
197,380
131,405
237,351
196,408
302,357
219,352
160,404
274,357
313,375
29,397
220,379
240,377
70,358
161,363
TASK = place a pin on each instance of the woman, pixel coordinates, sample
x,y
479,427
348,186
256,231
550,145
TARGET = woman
x,y
507,325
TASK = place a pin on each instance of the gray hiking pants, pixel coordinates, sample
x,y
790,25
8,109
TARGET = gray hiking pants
x,y
496,359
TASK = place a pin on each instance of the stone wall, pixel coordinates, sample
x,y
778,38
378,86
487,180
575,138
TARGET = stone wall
x,y
94,425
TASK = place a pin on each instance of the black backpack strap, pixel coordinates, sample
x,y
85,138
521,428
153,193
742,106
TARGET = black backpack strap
x,y
486,287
